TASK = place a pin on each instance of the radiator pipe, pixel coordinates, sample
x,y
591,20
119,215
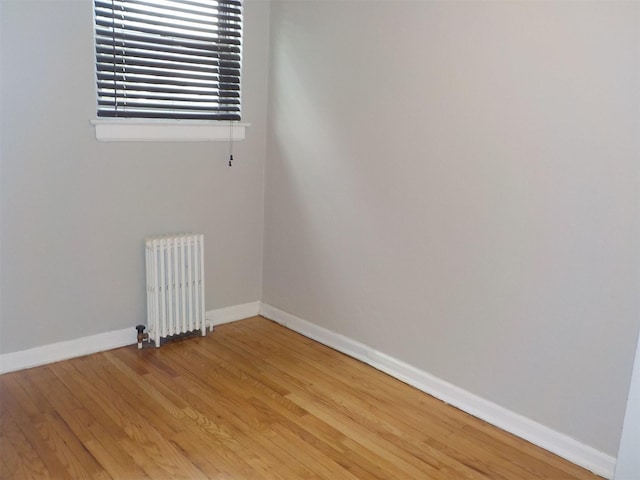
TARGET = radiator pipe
x,y
141,335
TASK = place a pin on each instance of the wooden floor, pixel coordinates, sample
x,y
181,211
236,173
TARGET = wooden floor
x,y
252,400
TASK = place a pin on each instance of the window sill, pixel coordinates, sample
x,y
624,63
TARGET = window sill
x,y
129,130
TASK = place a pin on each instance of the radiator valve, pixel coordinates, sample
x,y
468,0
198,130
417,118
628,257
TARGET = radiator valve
x,y
141,335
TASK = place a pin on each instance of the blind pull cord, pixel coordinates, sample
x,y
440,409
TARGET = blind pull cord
x,y
230,142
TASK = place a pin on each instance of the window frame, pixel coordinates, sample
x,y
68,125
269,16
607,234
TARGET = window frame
x,y
162,129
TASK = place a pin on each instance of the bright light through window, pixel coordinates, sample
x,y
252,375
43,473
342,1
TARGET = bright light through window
x,y
176,59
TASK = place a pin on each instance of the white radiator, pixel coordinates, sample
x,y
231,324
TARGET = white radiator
x,y
175,285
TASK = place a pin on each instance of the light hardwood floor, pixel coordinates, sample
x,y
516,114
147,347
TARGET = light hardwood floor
x,y
252,400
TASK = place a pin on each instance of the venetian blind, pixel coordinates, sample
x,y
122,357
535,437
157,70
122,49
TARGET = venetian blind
x,y
172,59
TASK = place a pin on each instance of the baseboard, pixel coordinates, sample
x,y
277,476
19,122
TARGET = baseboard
x,y
234,313
523,427
55,352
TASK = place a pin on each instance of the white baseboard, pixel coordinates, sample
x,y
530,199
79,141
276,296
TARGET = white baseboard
x,y
54,352
523,427
234,313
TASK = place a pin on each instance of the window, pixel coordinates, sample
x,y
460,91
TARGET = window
x,y
168,59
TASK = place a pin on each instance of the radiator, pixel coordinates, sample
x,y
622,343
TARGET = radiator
x,y
175,286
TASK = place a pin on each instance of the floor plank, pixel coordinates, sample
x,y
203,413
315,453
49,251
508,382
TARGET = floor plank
x,y
252,400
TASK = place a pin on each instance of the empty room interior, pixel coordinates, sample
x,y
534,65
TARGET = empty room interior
x,y
421,237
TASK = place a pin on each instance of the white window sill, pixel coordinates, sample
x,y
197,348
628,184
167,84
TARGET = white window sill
x,y
131,130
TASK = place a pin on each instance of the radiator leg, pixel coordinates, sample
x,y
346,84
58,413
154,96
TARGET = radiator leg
x,y
141,335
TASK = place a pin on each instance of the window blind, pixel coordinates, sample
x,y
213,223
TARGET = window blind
x,y
173,59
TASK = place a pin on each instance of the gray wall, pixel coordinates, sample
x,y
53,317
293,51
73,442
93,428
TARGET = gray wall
x,y
75,211
457,185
